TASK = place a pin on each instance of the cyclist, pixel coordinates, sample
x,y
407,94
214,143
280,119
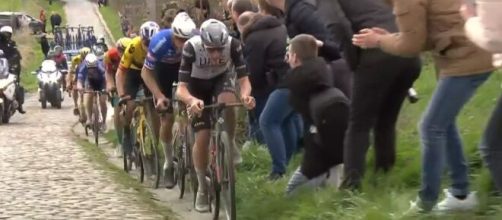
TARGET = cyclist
x,y
71,79
91,77
111,61
60,59
162,63
205,72
129,76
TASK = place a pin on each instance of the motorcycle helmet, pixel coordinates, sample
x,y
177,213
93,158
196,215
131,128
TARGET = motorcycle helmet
x,y
214,33
183,26
91,60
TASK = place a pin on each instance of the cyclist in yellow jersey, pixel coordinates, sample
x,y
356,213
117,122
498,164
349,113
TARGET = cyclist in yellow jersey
x,y
72,79
129,78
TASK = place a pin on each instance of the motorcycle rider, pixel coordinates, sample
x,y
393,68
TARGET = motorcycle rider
x,y
9,48
61,63
91,77
101,43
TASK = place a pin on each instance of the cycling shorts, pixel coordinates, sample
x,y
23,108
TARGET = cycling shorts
x,y
95,84
134,82
205,90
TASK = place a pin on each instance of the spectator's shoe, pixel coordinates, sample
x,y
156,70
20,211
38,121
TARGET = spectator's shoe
x,y
296,180
273,176
169,177
76,111
202,202
452,203
414,211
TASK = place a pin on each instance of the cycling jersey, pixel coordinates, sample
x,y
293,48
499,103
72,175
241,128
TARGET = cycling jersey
x,y
111,60
134,55
96,73
161,49
61,62
195,62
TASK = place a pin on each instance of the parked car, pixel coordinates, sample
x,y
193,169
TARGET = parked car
x,y
20,19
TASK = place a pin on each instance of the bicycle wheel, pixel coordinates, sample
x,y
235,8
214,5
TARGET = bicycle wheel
x,y
151,156
214,192
227,181
95,121
178,145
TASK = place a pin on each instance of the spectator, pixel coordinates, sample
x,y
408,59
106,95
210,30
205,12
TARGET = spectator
x,y
237,8
55,20
266,36
43,19
125,25
44,45
321,105
462,66
168,18
485,30
302,18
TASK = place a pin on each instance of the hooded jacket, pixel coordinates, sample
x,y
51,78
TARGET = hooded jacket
x,y
264,39
311,77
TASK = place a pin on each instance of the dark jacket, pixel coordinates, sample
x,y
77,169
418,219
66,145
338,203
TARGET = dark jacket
x,y
265,44
56,19
311,77
302,18
44,44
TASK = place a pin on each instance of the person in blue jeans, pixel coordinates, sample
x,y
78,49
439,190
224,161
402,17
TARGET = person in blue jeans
x,y
462,68
491,145
279,125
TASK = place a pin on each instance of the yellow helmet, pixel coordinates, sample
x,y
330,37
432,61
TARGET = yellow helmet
x,y
84,51
122,43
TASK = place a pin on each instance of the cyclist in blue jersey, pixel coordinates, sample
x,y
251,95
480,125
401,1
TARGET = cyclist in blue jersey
x,y
91,77
159,73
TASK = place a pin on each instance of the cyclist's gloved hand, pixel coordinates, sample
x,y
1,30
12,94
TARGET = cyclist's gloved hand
x,y
162,104
248,101
196,106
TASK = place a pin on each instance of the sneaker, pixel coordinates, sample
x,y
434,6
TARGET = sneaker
x,y
452,203
169,177
76,111
275,176
202,202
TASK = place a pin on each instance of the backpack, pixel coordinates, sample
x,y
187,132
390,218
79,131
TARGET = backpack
x,y
329,110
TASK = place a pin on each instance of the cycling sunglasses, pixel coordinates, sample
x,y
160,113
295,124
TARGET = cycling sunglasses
x,y
214,49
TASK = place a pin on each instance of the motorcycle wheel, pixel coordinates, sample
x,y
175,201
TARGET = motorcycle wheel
x,y
44,103
1,114
5,113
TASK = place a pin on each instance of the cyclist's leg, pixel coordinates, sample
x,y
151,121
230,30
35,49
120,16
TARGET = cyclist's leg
x,y
88,101
102,102
201,89
225,89
132,84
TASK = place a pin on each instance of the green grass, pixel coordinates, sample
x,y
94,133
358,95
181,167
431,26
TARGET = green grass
x,y
138,193
383,195
28,45
112,19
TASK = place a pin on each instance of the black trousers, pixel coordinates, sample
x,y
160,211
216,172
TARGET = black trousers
x,y
380,86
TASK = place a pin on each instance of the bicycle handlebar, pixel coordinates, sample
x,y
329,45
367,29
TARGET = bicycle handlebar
x,y
223,105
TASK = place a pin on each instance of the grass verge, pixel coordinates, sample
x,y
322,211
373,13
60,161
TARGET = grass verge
x,y
28,44
112,19
143,196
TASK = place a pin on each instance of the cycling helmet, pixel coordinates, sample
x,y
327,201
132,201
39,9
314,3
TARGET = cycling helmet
x,y
148,29
99,51
91,60
183,26
122,43
58,50
84,51
214,33
6,29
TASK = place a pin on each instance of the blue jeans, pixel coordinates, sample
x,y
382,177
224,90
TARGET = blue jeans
x,y
441,140
254,132
491,145
278,123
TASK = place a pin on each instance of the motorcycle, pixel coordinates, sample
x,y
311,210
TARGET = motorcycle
x,y
8,103
50,84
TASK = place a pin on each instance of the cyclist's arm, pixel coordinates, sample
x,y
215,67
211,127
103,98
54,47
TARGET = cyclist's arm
x,y
125,63
147,73
81,74
240,68
109,71
187,60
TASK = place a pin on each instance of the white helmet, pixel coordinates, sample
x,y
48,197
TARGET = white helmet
x,y
6,29
91,60
183,26
214,33
148,29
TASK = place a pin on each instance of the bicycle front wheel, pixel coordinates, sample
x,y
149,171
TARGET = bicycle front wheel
x,y
151,156
227,181
95,122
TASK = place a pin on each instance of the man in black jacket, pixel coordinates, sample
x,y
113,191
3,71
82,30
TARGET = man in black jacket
x,y
302,18
55,20
264,38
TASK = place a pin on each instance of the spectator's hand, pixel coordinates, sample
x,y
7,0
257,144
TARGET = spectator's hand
x,y
367,38
467,11
248,101
196,106
380,30
319,43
